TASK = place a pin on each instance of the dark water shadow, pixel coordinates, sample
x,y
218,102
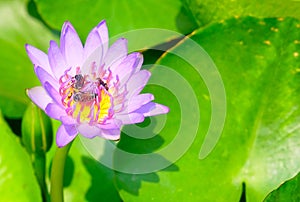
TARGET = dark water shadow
x,y
15,125
120,164
68,173
131,181
185,22
243,195
99,175
33,12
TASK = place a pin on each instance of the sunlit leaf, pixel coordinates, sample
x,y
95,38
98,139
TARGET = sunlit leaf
x,y
121,16
259,63
288,191
208,11
17,29
17,182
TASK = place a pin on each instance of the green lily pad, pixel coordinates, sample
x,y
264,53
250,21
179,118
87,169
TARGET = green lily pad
x,y
18,182
85,178
17,29
208,11
259,62
121,16
288,191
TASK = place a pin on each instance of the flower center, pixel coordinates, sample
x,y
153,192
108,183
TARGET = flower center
x,y
86,97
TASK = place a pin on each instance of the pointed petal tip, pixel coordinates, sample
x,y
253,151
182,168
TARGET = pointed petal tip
x,y
39,96
136,55
29,49
66,25
52,42
164,109
121,42
102,23
102,31
123,39
27,46
153,109
146,73
140,55
151,97
159,109
68,29
138,61
71,46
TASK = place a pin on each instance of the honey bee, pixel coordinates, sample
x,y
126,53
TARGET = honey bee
x,y
79,81
84,96
102,83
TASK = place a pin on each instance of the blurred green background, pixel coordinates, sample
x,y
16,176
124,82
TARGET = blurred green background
x,y
255,46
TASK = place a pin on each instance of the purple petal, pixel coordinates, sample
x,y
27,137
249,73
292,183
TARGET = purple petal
x,y
68,120
97,41
131,118
111,124
93,51
44,76
137,82
65,135
56,59
89,131
128,66
53,93
93,41
93,131
55,111
93,60
103,33
116,53
38,58
71,46
152,109
138,62
113,134
138,101
39,96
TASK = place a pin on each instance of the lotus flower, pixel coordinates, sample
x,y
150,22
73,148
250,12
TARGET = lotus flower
x,y
93,89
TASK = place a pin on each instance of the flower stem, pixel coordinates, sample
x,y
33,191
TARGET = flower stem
x,y
39,164
57,173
